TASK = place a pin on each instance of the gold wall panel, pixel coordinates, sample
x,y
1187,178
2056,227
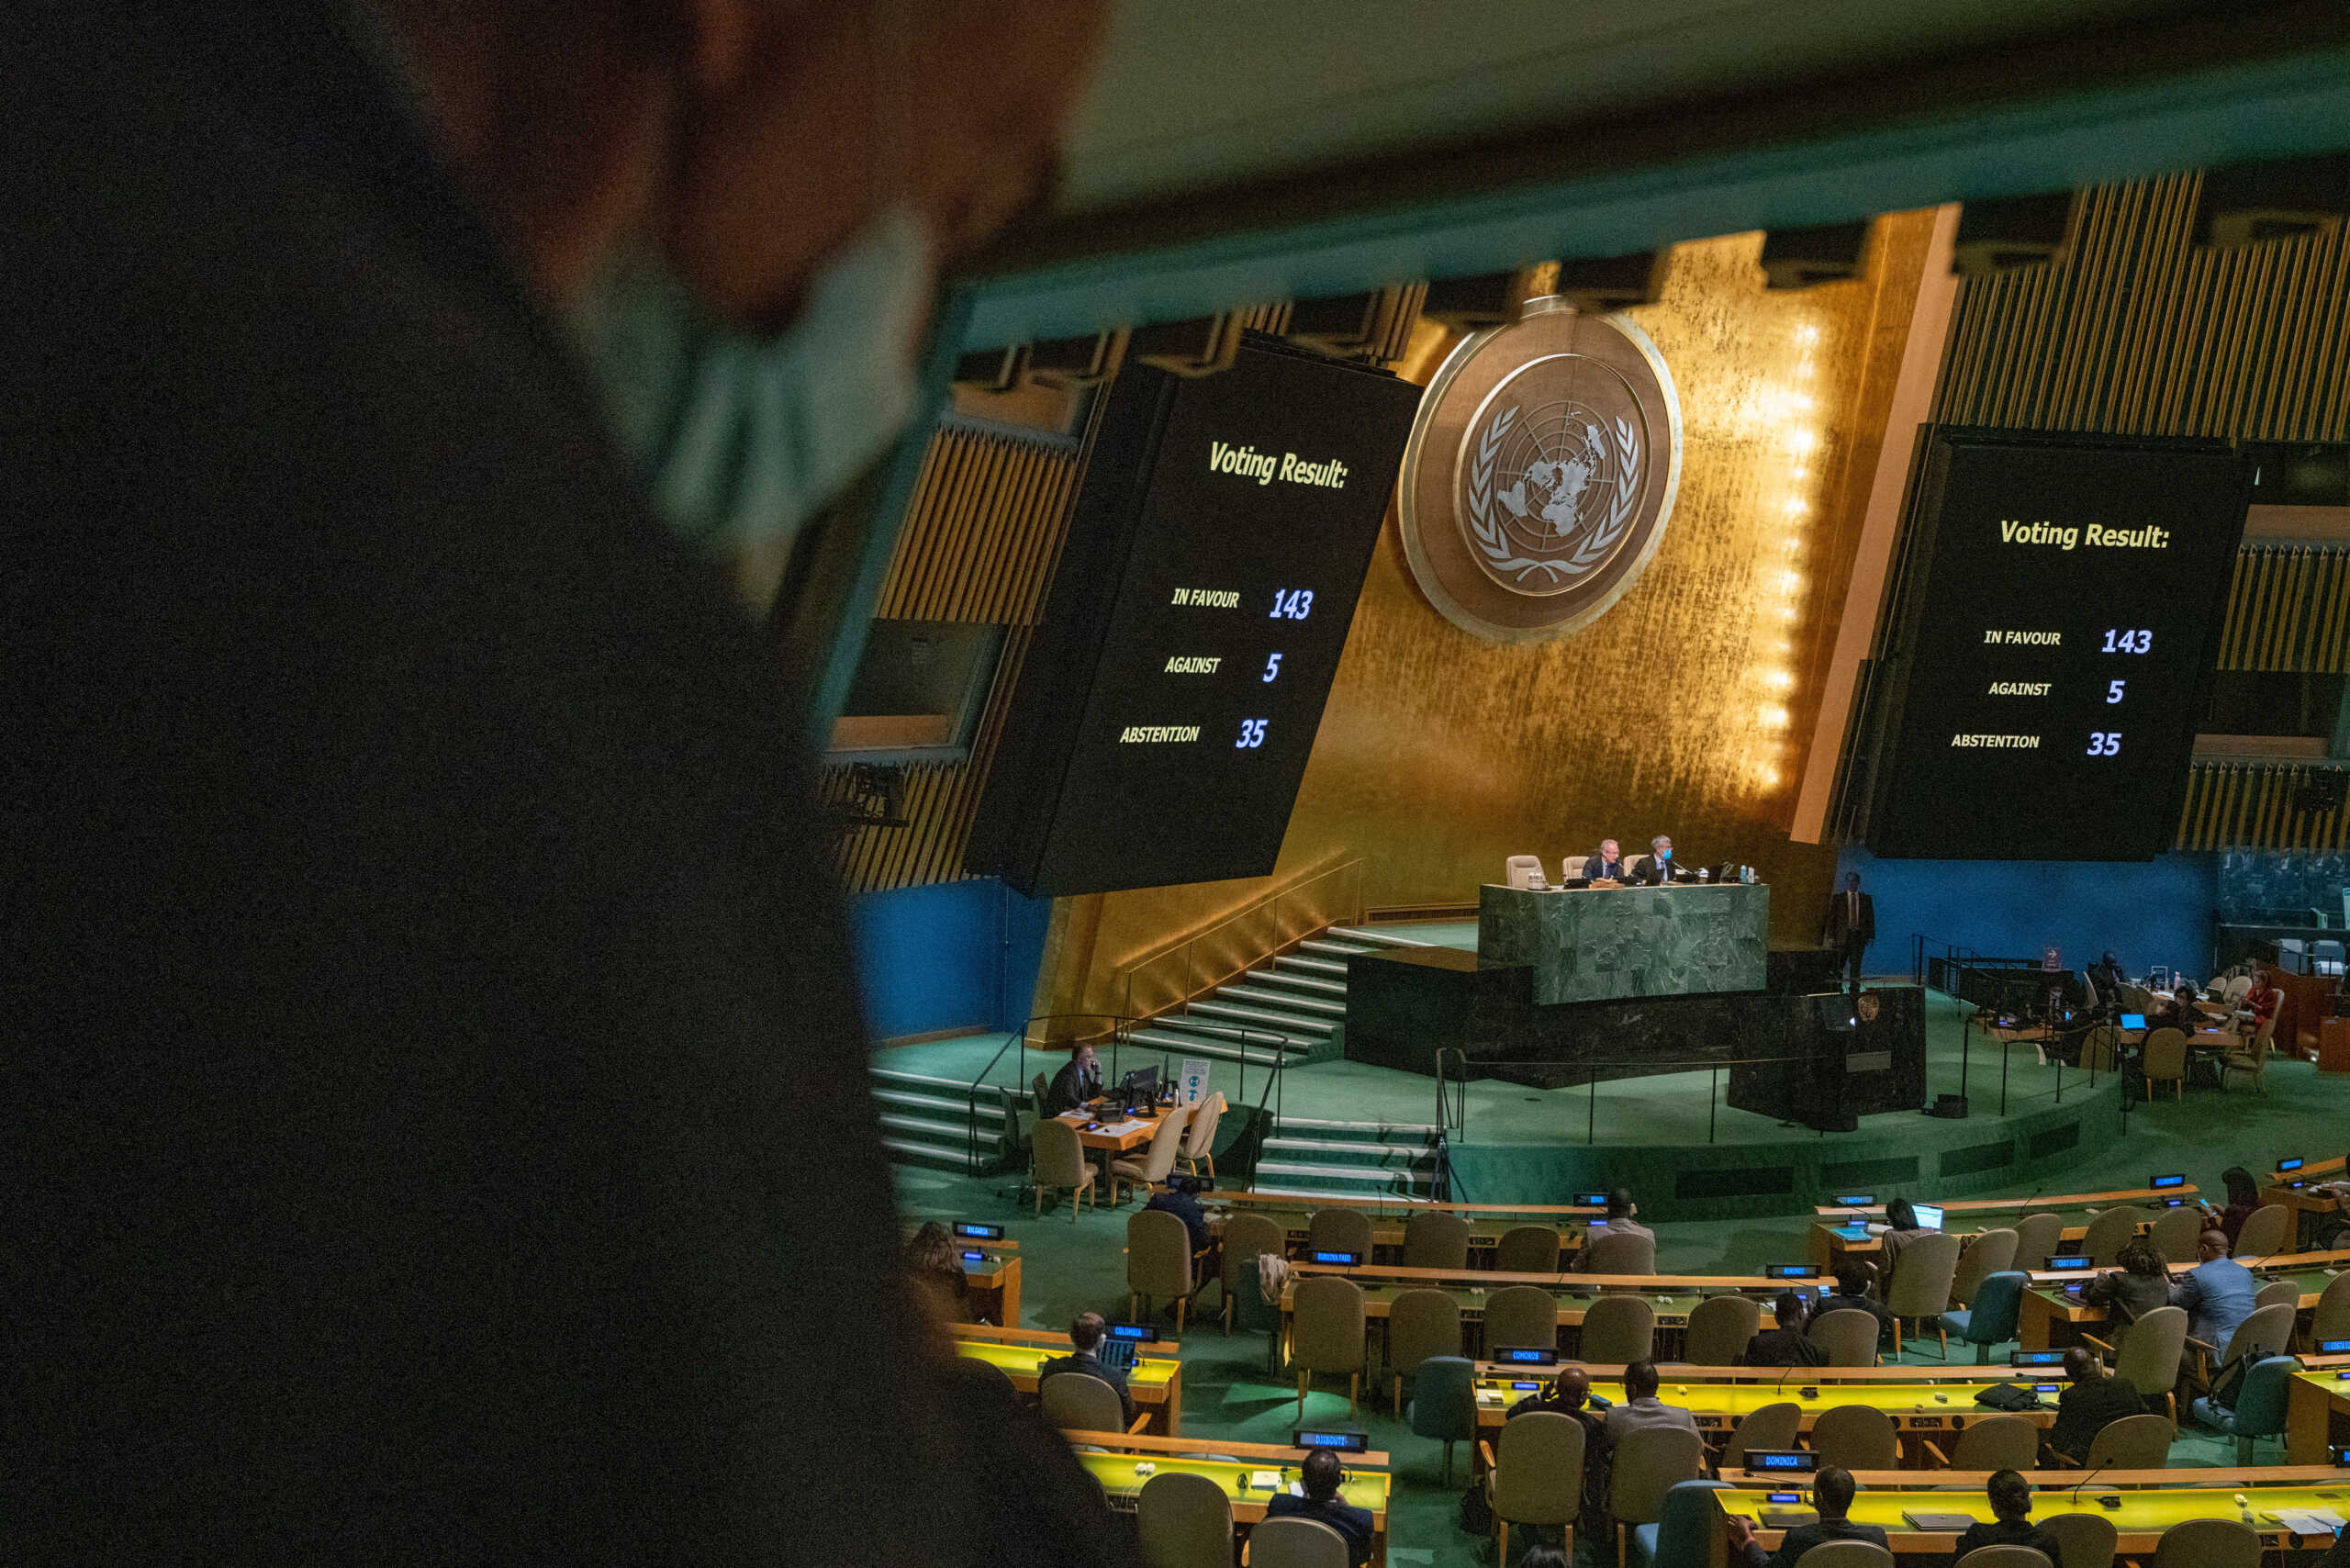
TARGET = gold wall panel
x,y
1683,709
2288,609
2249,805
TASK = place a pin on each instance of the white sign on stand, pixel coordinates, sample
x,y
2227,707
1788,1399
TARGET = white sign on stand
x,y
1193,1082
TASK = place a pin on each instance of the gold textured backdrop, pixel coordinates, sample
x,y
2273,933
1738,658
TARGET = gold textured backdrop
x,y
1683,709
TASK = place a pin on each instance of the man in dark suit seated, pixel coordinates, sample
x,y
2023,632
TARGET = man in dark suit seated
x,y
1568,1393
1319,1476
1085,1334
1831,1492
1078,1080
2011,1496
1607,865
1852,1290
2093,1403
1786,1345
1657,865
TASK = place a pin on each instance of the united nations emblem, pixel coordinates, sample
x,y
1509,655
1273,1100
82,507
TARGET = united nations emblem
x,y
1541,473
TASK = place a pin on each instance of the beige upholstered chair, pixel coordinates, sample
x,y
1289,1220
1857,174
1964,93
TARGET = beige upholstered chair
x,y
2086,1541
1618,1330
2252,1062
2005,1557
1326,1336
2149,1353
2278,1292
1184,1521
1572,867
2164,1055
1159,1262
1080,1402
1521,1316
1996,1442
2267,1332
1199,1137
1719,1327
1766,1427
1060,1163
1527,1249
1619,1254
1157,1161
2037,1236
1649,1463
1992,1253
1534,1476
1522,871
1849,1336
1339,1230
2134,1443
2267,1229
2209,1543
2109,1230
2174,1233
1246,1235
1434,1238
1294,1542
1420,1324
1846,1554
1857,1437
1921,1283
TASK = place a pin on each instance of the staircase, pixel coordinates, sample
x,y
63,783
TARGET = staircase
x,y
1347,1159
1288,1009
929,1121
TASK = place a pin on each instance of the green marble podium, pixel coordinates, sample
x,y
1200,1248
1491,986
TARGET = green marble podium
x,y
1603,944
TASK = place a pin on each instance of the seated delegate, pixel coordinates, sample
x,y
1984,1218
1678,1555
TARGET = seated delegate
x,y
1320,1476
1658,866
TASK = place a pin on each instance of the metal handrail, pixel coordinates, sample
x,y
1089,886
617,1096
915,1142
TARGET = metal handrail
x,y
1651,1067
1118,1027
1189,985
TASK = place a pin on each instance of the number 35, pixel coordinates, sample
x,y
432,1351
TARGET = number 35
x,y
2105,743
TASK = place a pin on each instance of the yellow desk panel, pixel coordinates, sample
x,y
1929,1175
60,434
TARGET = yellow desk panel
x,y
1718,1407
1154,1381
2141,1519
1123,1476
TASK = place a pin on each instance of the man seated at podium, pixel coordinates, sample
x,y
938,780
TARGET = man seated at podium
x,y
1607,866
1079,1081
1657,865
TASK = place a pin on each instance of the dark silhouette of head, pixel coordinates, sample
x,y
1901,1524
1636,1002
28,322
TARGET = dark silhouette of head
x,y
2011,1494
1639,1379
2081,1366
1851,1277
2212,1245
1620,1204
1791,1310
1900,1215
1572,1387
1087,1331
1831,1492
1320,1473
1852,881
2243,1190
2140,1256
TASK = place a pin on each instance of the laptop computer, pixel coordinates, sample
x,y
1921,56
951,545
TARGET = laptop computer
x,y
1929,1215
2133,1020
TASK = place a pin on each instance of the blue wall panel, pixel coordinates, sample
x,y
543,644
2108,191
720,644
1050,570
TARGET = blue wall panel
x,y
947,955
2157,912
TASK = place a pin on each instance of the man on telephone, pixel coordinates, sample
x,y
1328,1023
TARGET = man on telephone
x,y
1658,866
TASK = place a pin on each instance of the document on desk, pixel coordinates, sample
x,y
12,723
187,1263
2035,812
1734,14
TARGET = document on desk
x,y
1120,1130
2311,1521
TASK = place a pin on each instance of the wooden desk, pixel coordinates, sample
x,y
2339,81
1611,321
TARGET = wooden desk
x,y
2051,1318
991,1282
2317,1411
2333,1046
1124,1475
2143,1513
1385,1236
1918,1408
1385,1205
2309,1206
1826,1243
1672,1307
1132,1132
1156,1381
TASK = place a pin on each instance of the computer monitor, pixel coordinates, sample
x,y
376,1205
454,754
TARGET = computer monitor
x,y
2133,1020
1929,1217
1139,1087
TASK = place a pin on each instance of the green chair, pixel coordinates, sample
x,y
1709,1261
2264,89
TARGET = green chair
x,y
1534,1476
1998,1300
1434,1238
1294,1542
1686,1528
1159,1262
1420,1324
2259,1409
1527,1249
2207,1543
1444,1404
1184,1521
1327,1335
1650,1463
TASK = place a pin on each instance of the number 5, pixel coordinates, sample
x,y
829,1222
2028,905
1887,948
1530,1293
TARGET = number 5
x,y
1273,666
2113,691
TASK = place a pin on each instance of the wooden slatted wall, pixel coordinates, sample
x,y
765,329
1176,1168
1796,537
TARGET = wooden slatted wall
x,y
2249,805
2141,332
979,544
2288,609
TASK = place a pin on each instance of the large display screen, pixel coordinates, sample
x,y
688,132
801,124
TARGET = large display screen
x,y
2050,638
1167,704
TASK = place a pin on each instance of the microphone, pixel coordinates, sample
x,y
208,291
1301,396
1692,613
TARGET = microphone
x,y
2092,1475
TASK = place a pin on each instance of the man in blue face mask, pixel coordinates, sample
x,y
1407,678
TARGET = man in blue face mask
x,y
437,1105
1658,866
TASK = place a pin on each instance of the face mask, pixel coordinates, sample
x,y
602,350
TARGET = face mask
x,y
1664,853
741,440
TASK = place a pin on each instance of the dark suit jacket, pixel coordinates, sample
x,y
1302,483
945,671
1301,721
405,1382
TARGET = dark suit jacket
x,y
1803,1537
412,872
1087,1362
1784,1348
1615,870
1071,1088
2084,1409
2008,1533
1355,1524
1651,872
1839,923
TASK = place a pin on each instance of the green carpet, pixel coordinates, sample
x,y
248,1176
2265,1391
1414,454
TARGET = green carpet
x,y
1071,1268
